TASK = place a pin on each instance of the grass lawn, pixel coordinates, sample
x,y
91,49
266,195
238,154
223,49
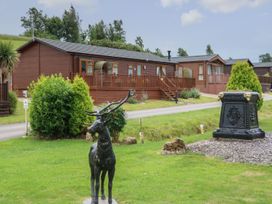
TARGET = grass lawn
x,y
151,104
17,117
15,40
34,171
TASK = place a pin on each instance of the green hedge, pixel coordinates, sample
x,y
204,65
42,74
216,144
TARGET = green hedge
x,y
13,100
58,106
243,78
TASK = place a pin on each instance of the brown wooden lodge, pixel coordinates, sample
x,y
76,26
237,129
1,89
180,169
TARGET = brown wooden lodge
x,y
110,72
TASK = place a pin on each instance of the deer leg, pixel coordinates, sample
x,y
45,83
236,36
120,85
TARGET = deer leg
x,y
110,175
103,197
92,181
97,180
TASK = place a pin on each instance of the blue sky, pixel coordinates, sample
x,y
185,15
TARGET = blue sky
x,y
234,28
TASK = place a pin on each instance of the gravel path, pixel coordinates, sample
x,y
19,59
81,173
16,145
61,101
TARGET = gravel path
x,y
257,151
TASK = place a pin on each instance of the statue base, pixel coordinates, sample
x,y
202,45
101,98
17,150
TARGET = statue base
x,y
89,201
239,134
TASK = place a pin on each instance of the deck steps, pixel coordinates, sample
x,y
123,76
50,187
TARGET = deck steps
x,y
168,89
4,108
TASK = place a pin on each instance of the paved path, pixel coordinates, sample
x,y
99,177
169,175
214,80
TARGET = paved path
x,y
17,130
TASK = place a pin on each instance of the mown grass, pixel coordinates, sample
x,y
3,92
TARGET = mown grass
x,y
39,172
151,104
17,117
35,171
176,125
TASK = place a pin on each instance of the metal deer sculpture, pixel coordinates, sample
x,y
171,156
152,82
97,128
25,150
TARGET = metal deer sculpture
x,y
101,156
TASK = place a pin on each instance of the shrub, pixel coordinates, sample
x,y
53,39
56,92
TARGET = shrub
x,y
116,123
54,102
81,103
12,98
243,78
192,93
195,93
132,100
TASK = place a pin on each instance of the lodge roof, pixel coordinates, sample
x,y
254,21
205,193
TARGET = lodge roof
x,y
262,64
233,61
79,48
195,58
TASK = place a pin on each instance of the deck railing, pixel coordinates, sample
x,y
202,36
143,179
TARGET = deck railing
x,y
126,81
4,91
218,78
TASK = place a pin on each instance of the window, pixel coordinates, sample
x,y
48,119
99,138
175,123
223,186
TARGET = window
x,y
90,67
139,70
86,67
158,73
218,70
115,69
179,72
209,69
187,72
200,73
130,70
163,71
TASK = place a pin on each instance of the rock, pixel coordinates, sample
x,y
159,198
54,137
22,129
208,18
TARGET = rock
x,y
175,147
130,140
258,151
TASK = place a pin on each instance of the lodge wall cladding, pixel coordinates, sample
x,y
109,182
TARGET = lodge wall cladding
x,y
40,59
148,68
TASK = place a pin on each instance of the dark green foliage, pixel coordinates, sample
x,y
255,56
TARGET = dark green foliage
x,y
8,56
182,52
209,50
39,22
265,58
139,41
243,78
132,100
118,45
54,101
192,93
158,52
81,103
116,123
54,26
71,25
13,100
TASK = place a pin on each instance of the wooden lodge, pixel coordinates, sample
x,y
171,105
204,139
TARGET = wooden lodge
x,y
111,72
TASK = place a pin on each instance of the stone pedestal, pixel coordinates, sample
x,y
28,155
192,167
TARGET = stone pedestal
x,y
89,201
239,118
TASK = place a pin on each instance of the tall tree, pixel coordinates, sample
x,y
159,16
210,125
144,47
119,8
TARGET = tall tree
x,y
98,31
39,22
265,58
209,50
182,52
139,41
71,25
8,58
119,33
158,52
110,32
54,26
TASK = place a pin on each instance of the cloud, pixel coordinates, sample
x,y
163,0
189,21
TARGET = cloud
x,y
191,17
65,3
167,3
227,6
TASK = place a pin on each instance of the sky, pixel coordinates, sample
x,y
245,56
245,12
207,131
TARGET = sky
x,y
233,28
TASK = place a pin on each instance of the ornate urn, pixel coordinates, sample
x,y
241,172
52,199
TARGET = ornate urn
x,y
239,117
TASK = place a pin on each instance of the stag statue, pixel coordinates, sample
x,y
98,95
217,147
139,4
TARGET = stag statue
x,y
101,156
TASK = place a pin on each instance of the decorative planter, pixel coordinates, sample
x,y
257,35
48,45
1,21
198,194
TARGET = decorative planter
x,y
239,116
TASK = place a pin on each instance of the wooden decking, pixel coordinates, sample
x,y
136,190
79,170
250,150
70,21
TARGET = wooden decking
x,y
167,87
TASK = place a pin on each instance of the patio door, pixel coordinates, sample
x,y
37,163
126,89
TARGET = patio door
x,y
161,71
86,67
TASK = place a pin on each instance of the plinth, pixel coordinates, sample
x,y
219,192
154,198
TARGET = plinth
x,y
89,201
